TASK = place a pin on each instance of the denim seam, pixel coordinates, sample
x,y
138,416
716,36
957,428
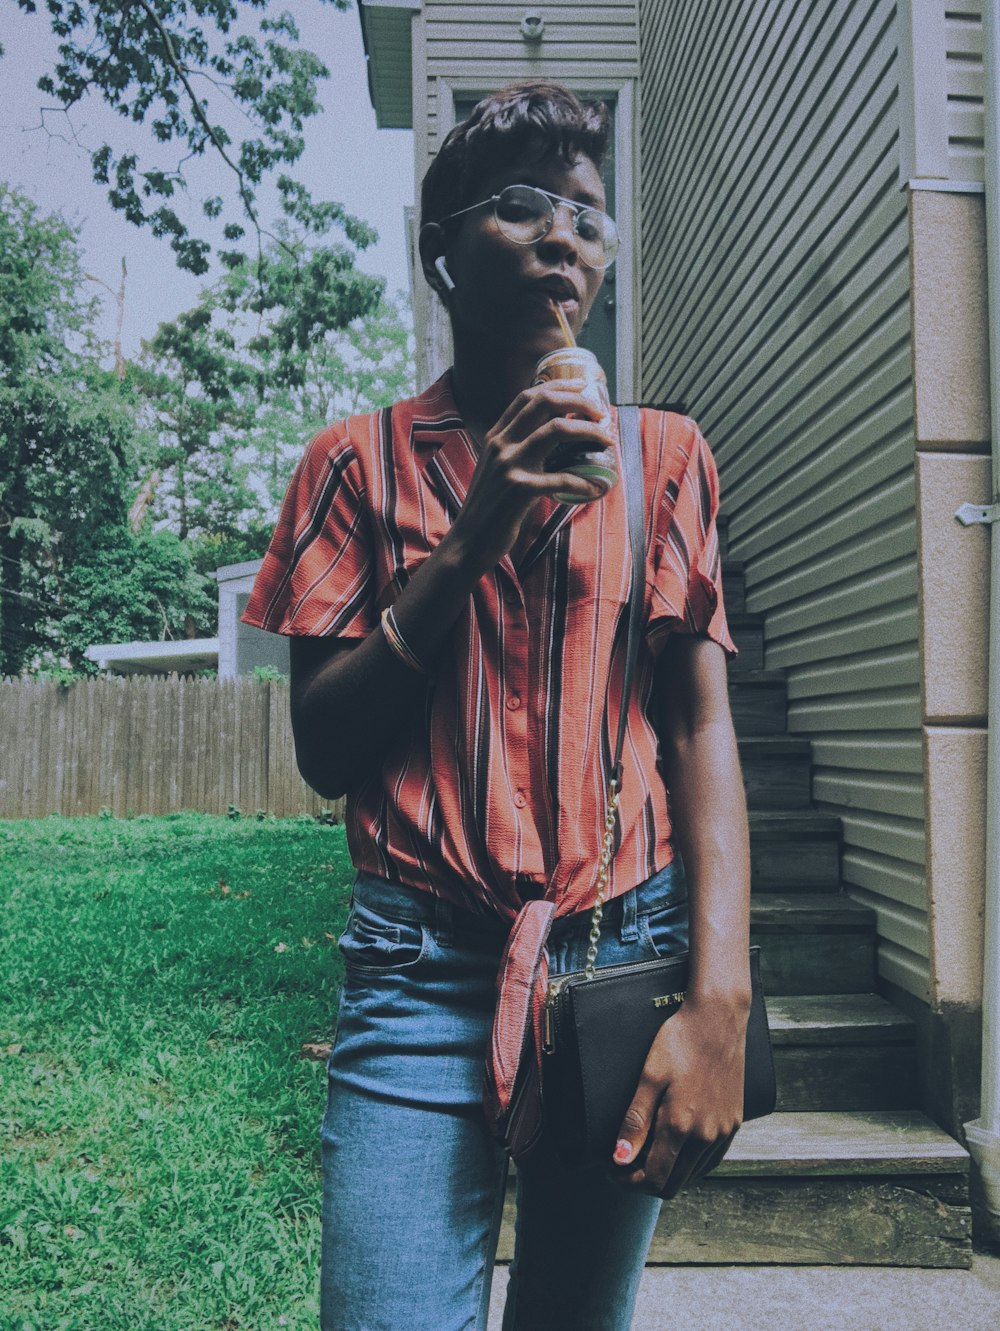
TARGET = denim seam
x,y
489,1255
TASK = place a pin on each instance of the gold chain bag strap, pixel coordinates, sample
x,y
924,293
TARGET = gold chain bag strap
x,y
599,1023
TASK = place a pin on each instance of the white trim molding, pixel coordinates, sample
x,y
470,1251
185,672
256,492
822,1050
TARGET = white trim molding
x,y
945,186
923,91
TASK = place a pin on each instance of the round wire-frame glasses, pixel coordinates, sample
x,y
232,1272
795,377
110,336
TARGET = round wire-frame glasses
x,y
525,213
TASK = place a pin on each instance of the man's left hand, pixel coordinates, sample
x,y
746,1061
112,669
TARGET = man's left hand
x,y
689,1102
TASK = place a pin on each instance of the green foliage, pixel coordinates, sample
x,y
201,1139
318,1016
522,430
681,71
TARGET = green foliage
x,y
302,288
65,676
163,978
193,384
271,353
209,425
71,570
211,550
269,672
42,311
65,429
224,79
134,589
367,365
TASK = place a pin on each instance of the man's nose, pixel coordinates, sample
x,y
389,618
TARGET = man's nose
x,y
562,232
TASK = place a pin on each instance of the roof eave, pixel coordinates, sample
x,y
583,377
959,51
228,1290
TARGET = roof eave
x,y
387,32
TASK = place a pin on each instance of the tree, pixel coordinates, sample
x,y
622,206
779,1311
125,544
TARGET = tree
x,y
322,348
194,386
61,438
236,385
67,440
133,588
193,73
367,365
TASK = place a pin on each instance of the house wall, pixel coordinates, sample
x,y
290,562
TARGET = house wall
x,y
482,45
777,307
466,48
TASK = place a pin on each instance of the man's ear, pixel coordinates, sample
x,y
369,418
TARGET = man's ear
x,y
431,243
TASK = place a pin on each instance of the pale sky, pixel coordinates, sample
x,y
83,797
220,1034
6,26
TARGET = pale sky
x,y
347,159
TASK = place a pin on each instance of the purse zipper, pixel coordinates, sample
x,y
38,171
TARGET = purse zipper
x,y
549,1021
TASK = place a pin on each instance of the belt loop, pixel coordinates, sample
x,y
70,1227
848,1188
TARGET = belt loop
x,y
630,924
444,921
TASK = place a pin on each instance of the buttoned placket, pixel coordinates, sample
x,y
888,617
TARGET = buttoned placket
x,y
449,470
530,796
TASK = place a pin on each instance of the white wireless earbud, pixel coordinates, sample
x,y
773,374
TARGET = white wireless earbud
x,y
443,273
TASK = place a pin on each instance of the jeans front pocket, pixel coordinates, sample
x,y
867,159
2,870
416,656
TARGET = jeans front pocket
x,y
373,944
664,932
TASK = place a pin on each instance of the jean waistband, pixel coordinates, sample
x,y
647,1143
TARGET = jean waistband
x,y
403,902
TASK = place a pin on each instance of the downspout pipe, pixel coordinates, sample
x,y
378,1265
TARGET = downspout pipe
x,y
983,1134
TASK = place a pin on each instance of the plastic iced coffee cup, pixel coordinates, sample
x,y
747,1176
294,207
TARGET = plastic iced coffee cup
x,y
594,464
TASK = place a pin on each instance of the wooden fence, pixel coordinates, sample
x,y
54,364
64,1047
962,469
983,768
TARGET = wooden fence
x,y
149,745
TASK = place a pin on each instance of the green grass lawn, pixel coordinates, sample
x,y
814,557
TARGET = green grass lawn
x,y
159,1124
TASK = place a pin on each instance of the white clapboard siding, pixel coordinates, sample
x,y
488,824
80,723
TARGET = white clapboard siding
x,y
776,308
480,47
964,71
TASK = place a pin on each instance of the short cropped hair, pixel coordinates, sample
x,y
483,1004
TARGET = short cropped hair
x,y
529,121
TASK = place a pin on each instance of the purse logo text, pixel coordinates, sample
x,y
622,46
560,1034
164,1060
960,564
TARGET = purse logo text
x,y
669,1000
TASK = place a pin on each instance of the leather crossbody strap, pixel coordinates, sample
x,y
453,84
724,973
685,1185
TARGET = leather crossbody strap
x,y
632,482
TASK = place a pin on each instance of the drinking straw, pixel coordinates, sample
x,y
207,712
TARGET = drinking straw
x,y
567,332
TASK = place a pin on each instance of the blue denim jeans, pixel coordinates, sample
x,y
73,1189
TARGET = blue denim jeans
x,y
413,1183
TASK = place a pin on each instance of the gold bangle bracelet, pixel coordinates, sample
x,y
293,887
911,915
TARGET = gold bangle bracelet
x,y
398,644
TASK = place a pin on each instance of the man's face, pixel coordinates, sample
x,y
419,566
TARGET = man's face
x,y
504,291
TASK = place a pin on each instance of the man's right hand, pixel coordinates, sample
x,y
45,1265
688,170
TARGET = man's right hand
x,y
510,475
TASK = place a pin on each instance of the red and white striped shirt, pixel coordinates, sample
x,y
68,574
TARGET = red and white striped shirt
x,y
497,789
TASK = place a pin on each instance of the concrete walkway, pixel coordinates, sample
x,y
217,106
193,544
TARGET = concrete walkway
x,y
809,1298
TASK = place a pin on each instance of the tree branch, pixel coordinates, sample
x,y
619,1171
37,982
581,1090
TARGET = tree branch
x,y
202,119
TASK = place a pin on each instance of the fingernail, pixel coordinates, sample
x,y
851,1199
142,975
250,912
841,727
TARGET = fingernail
x,y
623,1152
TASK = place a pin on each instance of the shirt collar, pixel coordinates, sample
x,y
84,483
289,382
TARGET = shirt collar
x,y
446,456
434,418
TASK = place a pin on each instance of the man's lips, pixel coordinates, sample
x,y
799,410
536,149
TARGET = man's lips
x,y
560,289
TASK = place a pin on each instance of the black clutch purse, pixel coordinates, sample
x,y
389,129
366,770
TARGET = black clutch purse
x,y
598,1031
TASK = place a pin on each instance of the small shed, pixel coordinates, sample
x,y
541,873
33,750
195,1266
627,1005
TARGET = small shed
x,y
241,646
237,649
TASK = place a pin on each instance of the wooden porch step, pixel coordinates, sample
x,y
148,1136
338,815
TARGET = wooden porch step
x,y
759,701
748,635
842,1052
777,771
814,943
794,850
820,1189
833,1188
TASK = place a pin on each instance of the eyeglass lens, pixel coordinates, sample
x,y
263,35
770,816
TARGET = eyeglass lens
x,y
525,214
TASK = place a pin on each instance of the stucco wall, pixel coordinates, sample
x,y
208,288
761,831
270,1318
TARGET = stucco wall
x,y
951,396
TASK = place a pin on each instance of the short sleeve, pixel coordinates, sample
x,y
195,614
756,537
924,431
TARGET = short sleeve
x,y
317,574
687,578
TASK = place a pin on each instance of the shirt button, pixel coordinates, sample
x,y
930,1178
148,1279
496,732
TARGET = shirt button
x,y
520,799
513,703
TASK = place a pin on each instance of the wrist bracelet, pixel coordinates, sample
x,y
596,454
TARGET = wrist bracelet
x,y
398,643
